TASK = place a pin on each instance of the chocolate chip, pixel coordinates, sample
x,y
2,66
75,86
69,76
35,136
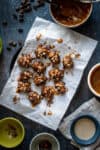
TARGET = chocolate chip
x,y
20,43
15,16
21,16
12,43
20,30
4,23
21,12
23,3
28,4
17,9
28,9
9,48
21,20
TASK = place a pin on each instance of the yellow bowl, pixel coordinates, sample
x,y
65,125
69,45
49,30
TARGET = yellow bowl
x,y
12,132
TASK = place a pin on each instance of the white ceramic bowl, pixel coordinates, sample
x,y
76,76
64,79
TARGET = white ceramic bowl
x,y
89,81
71,26
44,136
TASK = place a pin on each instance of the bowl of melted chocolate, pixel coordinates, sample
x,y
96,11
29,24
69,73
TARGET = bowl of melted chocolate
x,y
94,80
70,13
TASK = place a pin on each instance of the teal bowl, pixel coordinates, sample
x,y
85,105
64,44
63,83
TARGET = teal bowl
x,y
93,138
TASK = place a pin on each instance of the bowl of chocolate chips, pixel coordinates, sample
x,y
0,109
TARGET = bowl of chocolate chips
x,y
44,141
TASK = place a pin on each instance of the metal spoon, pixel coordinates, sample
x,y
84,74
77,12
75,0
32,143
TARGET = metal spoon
x,y
52,3
83,1
55,4
88,1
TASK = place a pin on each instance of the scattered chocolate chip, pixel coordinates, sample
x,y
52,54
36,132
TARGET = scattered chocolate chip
x,y
9,48
21,20
28,9
4,23
17,9
21,12
28,4
20,30
20,43
15,16
12,43
44,113
21,16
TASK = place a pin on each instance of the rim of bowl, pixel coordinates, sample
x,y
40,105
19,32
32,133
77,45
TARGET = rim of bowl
x,y
70,26
21,125
89,77
91,140
44,133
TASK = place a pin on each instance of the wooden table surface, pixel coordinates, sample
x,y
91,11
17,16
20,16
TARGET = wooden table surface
x,y
91,28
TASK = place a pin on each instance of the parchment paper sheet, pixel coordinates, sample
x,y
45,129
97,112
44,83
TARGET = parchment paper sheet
x,y
50,32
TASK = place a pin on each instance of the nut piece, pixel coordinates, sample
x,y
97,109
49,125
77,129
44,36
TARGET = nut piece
x,y
16,99
54,57
23,87
60,88
40,80
48,92
67,62
41,51
25,60
38,37
39,67
60,40
34,98
56,74
25,75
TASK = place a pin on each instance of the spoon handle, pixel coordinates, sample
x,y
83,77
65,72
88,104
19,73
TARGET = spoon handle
x,y
89,1
50,2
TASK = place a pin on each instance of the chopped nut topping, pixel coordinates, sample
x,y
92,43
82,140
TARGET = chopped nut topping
x,y
25,75
78,55
56,74
25,60
75,55
34,98
41,51
60,40
16,99
48,92
60,87
40,80
39,67
67,62
54,57
23,87
38,37
49,113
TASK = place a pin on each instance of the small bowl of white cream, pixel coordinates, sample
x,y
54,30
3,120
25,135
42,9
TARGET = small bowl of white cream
x,y
85,130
